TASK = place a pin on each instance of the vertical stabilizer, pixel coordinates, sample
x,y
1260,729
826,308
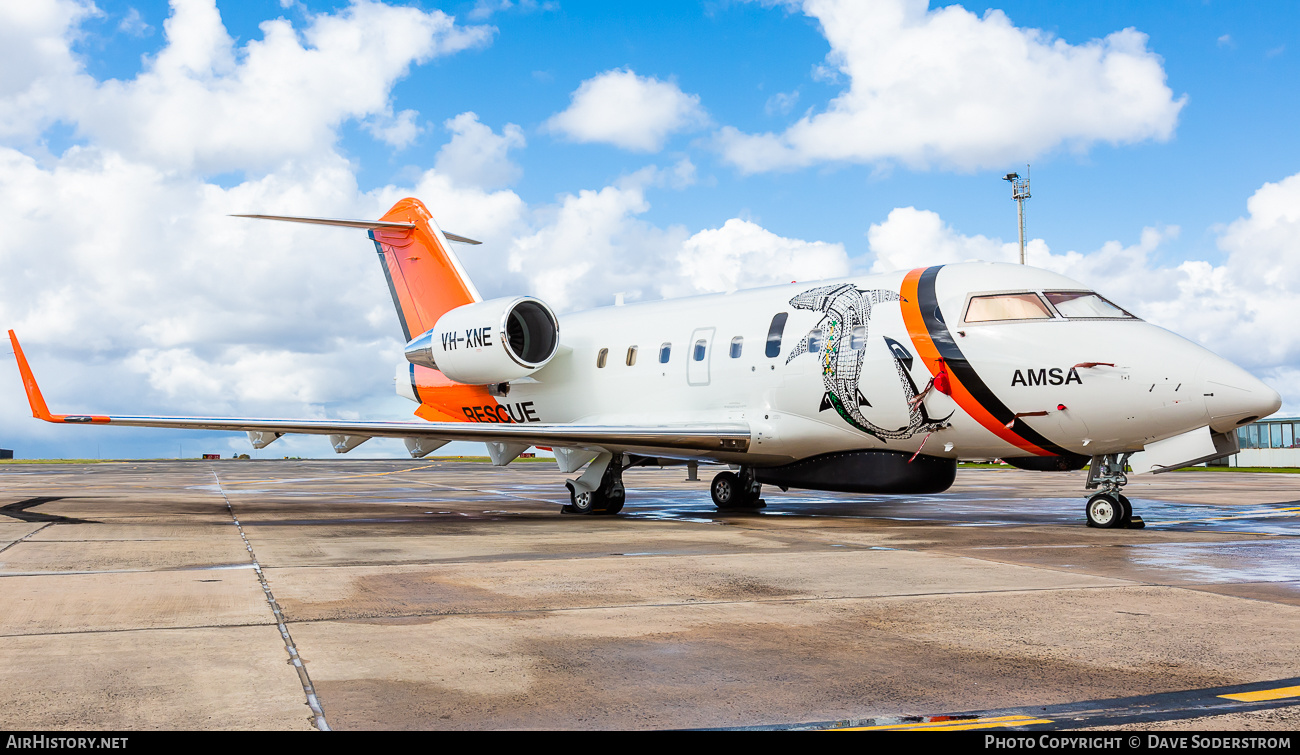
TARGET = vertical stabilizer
x,y
424,275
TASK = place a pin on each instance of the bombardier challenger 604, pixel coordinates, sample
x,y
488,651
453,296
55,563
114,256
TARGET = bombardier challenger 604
x,y
873,384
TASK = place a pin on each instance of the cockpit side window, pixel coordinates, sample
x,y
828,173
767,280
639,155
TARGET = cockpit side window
x,y
995,307
1084,304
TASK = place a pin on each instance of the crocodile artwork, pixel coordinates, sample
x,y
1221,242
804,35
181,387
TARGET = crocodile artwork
x,y
846,307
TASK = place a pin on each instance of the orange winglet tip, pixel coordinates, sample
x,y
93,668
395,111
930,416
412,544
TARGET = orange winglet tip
x,y
34,397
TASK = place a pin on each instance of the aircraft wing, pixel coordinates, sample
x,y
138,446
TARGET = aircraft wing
x,y
727,437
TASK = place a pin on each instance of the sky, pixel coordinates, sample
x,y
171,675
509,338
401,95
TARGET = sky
x,y
656,150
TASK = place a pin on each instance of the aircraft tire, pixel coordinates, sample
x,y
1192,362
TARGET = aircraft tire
x,y
725,491
1105,511
613,506
1128,510
582,503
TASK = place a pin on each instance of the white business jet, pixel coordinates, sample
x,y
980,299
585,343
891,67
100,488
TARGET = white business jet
x,y
874,384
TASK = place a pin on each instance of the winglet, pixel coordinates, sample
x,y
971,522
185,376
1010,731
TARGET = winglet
x,y
34,397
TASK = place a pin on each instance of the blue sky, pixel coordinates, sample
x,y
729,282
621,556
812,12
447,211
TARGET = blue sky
x,y
1236,132
1136,183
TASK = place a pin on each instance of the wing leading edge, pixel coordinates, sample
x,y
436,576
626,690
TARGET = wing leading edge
x,y
698,438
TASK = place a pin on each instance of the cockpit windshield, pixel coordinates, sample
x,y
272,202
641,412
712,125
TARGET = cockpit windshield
x,y
1024,306
1084,304
1048,305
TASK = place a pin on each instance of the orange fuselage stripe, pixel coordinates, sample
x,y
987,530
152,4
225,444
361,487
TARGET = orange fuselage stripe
x,y
929,353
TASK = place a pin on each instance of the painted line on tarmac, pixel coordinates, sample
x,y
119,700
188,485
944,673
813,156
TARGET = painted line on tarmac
x,y
318,715
1280,693
951,723
1164,706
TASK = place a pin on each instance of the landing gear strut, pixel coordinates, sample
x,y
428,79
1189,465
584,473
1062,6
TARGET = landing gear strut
x,y
600,490
733,491
1109,508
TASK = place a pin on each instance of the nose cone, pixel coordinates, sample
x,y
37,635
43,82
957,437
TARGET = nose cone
x,y
1234,397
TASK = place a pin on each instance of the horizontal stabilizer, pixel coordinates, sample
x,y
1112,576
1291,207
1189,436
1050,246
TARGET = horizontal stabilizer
x,y
368,225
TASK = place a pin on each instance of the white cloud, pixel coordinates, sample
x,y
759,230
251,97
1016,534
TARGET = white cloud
x,y
38,70
396,130
947,88
633,112
134,24
593,244
742,254
484,9
205,103
781,103
476,156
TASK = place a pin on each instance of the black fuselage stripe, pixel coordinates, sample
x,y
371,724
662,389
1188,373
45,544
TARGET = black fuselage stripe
x,y
392,287
928,302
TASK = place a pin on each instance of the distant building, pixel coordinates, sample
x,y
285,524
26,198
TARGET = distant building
x,y
6,453
1273,442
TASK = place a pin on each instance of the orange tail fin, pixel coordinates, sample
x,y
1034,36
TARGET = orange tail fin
x,y
424,275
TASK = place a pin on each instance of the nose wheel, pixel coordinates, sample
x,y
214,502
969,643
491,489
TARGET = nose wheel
x,y
1110,509
1107,511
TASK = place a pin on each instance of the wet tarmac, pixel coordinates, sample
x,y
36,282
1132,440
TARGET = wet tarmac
x,y
443,594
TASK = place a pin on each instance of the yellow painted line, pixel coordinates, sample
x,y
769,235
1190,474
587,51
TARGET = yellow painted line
x,y
1026,722
954,725
318,479
1264,694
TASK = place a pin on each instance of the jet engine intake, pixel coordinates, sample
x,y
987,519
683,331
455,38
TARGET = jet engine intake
x,y
487,342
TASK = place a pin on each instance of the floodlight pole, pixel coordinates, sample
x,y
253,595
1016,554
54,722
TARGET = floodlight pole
x,y
1019,193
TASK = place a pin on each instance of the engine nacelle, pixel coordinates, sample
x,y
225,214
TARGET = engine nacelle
x,y
489,341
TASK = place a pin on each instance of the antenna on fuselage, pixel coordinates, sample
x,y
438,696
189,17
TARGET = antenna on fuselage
x,y
1019,193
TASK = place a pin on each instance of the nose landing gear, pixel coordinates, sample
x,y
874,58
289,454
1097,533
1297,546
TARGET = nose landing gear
x,y
1109,508
731,491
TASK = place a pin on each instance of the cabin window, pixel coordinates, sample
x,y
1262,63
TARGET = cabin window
x,y
737,344
1084,304
815,340
631,356
1026,306
858,337
601,356
665,351
701,347
774,334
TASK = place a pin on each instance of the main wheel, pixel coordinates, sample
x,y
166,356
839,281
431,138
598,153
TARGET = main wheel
x,y
1105,511
582,503
725,490
1128,509
613,505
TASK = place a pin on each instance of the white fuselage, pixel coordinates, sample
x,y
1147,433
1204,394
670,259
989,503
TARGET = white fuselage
x,y
1088,386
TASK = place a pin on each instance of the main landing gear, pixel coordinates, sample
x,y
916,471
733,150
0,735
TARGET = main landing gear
x,y
599,490
1109,508
732,492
